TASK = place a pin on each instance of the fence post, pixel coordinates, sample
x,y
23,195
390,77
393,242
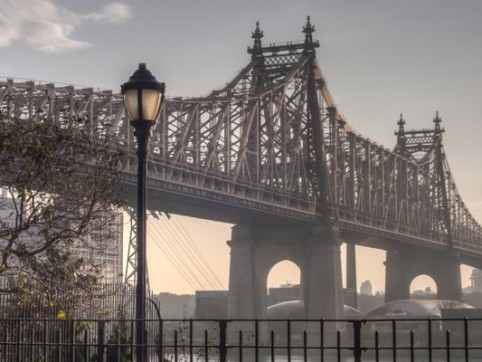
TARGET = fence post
x,y
19,341
100,341
57,346
256,340
191,332
222,341
288,339
394,340
357,349
466,338
86,348
161,341
240,345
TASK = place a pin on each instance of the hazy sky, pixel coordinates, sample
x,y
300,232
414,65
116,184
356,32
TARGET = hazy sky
x,y
380,58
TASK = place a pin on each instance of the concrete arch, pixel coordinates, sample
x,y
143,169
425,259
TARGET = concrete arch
x,y
279,254
284,265
415,284
284,272
255,250
405,264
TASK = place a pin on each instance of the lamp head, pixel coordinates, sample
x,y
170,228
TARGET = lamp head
x,y
143,95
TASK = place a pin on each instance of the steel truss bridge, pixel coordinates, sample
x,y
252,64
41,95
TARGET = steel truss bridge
x,y
270,147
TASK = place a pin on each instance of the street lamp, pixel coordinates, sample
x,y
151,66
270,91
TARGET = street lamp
x,y
143,96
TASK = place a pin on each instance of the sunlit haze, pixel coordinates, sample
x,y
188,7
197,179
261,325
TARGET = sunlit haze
x,y
380,58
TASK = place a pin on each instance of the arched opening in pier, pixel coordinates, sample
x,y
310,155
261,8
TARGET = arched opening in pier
x,y
471,280
284,283
423,287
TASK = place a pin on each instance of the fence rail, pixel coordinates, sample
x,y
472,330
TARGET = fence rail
x,y
189,340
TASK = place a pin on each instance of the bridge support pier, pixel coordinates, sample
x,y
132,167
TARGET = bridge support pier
x,y
256,249
351,283
243,286
323,292
405,264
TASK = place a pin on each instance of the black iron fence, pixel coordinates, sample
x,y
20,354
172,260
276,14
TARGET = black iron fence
x,y
103,301
190,340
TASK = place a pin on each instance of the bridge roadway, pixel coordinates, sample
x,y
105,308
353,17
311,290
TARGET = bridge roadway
x,y
190,191
270,152
187,199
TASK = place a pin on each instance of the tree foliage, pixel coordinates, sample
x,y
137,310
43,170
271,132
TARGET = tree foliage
x,y
62,182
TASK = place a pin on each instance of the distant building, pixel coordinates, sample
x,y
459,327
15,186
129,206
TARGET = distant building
x,y
350,297
211,304
174,306
7,215
366,288
284,293
426,293
105,243
107,250
368,302
476,281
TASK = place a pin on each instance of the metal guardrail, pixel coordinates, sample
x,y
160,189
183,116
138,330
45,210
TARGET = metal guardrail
x,y
243,340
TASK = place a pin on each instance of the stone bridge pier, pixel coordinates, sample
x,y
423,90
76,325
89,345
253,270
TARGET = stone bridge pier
x,y
256,249
404,264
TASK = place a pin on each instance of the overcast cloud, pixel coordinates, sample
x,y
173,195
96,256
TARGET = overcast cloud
x,y
47,26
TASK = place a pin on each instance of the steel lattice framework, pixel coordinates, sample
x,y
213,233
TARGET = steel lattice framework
x,y
272,142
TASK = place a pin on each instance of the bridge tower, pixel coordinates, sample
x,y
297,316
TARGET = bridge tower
x,y
405,262
315,248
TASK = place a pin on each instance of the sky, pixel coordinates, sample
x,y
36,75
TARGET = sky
x,y
379,57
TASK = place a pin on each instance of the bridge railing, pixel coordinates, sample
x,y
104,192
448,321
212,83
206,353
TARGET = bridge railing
x,y
243,340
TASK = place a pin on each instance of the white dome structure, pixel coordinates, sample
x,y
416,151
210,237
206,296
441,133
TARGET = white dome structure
x,y
294,309
414,308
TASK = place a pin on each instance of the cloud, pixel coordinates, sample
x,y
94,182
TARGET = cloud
x,y
114,13
47,26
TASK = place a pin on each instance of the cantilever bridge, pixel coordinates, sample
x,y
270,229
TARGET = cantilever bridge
x,y
271,153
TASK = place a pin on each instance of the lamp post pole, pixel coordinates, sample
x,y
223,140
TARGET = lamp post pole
x,y
141,132
143,96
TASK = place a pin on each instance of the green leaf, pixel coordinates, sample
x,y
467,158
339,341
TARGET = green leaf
x,y
61,314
